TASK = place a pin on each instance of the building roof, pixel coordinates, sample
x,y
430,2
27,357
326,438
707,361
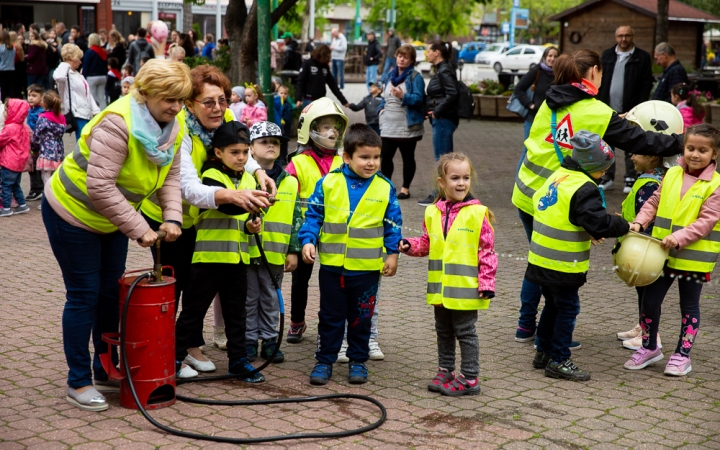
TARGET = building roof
x,y
677,10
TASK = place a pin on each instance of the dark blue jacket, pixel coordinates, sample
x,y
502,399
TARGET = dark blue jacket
x,y
283,112
672,75
94,65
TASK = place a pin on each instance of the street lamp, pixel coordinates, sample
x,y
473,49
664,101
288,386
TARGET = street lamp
x,y
461,64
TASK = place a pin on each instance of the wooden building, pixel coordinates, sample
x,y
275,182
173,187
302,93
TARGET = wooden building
x,y
592,25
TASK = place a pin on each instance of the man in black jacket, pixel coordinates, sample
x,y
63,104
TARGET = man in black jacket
x,y
626,82
673,71
372,59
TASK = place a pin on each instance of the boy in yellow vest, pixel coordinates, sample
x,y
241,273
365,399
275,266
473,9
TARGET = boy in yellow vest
x,y
353,216
279,238
569,213
219,264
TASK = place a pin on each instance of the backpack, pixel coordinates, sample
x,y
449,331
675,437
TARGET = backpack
x,y
465,102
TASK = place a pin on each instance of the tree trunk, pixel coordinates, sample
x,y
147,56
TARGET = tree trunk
x,y
249,50
187,17
662,25
235,18
305,30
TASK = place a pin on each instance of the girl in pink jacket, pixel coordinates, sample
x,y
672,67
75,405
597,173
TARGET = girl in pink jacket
x,y
14,152
683,96
255,109
460,241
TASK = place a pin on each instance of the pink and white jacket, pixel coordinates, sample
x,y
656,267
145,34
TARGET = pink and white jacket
x,y
252,114
487,259
689,117
15,136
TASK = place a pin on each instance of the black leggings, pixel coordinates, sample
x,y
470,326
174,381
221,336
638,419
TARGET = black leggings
x,y
407,151
299,291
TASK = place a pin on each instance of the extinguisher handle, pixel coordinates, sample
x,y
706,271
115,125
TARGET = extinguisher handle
x,y
160,235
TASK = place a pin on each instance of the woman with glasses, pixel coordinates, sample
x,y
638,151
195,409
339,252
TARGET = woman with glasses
x,y
205,110
126,153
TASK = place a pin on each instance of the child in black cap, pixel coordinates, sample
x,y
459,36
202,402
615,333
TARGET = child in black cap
x,y
221,257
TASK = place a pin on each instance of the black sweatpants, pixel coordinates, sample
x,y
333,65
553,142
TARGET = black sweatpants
x,y
407,151
206,280
299,291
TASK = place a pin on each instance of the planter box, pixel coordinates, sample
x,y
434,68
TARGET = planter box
x,y
476,99
502,107
712,114
488,105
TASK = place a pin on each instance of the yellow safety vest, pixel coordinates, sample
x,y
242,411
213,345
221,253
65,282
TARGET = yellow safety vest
x,y
308,174
628,205
541,161
675,214
453,268
556,243
277,224
356,244
138,178
222,238
151,206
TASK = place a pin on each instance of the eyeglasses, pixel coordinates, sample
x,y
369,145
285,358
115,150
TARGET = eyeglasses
x,y
624,36
210,103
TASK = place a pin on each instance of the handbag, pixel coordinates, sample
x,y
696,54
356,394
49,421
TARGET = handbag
x,y
71,125
514,105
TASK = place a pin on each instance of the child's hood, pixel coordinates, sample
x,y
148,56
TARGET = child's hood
x,y
442,204
17,111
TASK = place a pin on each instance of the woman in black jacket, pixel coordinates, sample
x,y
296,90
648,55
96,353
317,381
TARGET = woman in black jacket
x,y
315,73
116,47
539,78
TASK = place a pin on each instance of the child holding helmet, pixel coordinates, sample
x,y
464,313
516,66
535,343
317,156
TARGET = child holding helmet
x,y
690,229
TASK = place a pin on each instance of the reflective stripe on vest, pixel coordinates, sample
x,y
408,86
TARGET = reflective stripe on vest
x,y
541,160
453,269
277,223
675,214
222,238
308,174
628,205
357,244
138,178
556,243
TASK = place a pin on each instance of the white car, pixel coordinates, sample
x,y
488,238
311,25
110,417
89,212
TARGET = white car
x,y
420,53
521,57
491,53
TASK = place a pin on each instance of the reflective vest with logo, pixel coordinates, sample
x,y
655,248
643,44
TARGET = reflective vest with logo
x,y
541,161
675,214
222,238
628,205
138,178
453,268
308,174
356,244
556,243
277,224
151,206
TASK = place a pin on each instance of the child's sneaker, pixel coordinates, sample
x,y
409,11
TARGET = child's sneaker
x,y
22,209
295,333
627,335
342,354
678,365
443,376
567,370
541,360
6,212
33,196
243,369
268,347
357,373
629,182
251,350
320,374
643,358
375,353
219,338
524,335
636,343
460,386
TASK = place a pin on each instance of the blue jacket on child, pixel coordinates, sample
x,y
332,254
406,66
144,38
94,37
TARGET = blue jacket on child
x,y
283,111
33,115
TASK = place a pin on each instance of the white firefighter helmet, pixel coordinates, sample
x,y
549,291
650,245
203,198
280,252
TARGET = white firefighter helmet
x,y
660,117
309,124
640,259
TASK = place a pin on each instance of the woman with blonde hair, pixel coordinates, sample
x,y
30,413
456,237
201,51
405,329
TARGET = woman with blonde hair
x,y
37,60
116,46
7,64
176,53
95,69
125,154
74,89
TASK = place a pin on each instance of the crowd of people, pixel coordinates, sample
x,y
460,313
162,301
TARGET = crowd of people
x,y
184,152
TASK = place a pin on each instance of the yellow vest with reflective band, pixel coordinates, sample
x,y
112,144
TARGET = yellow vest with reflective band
x,y
628,205
222,238
138,178
357,244
277,224
556,243
453,268
151,206
308,174
541,160
675,214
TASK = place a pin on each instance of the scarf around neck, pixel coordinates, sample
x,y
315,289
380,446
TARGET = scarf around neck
x,y
148,132
547,69
100,51
397,78
196,129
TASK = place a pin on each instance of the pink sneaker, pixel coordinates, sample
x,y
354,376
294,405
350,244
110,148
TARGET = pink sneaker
x,y
678,365
643,358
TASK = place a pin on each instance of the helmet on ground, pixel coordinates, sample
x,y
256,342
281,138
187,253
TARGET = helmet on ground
x,y
660,117
324,122
640,259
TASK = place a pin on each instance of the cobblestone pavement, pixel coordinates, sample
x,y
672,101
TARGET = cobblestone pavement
x,y
518,408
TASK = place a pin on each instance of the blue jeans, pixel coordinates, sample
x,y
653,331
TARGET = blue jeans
x,y
91,266
557,321
530,293
526,132
442,136
37,79
389,63
81,124
338,71
371,75
11,187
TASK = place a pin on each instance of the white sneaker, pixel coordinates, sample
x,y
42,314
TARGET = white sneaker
x,y
627,335
636,342
606,185
375,353
200,366
219,338
342,354
187,372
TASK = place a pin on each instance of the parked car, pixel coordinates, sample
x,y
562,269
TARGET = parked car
x,y
520,57
421,52
491,53
469,50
